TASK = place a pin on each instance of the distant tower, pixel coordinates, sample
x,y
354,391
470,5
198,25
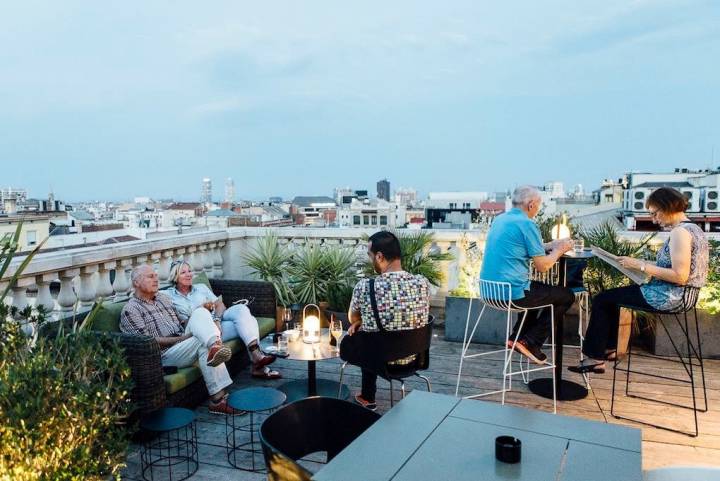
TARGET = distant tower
x,y
51,201
229,190
383,190
206,192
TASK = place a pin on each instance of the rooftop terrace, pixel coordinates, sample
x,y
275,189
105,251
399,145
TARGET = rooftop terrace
x,y
84,274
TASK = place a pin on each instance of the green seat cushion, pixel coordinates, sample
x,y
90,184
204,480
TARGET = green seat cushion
x,y
266,325
202,278
183,378
107,317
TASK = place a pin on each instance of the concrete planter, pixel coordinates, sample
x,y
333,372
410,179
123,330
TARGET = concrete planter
x,y
491,330
492,327
709,335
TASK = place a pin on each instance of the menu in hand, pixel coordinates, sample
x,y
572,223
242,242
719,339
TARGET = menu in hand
x,y
635,275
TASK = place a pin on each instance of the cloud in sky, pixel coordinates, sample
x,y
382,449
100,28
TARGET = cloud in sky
x,y
297,97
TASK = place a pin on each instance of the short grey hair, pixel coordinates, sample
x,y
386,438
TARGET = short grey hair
x,y
137,273
524,194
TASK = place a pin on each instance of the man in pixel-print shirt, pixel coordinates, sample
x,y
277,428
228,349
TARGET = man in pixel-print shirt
x,y
403,302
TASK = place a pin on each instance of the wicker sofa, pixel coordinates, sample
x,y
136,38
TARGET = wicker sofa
x,y
153,389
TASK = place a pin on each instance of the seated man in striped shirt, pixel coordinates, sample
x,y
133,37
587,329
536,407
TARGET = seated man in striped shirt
x,y
151,313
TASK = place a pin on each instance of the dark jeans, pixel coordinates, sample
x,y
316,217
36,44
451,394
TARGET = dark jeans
x,y
602,331
356,350
536,327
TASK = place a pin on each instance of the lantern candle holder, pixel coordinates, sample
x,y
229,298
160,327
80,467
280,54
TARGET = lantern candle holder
x,y
310,326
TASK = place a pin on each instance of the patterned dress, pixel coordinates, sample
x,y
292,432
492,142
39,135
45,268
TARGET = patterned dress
x,y
666,296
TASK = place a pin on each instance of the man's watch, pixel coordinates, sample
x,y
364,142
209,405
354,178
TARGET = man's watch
x,y
216,319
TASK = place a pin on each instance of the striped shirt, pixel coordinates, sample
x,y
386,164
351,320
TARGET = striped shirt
x,y
155,318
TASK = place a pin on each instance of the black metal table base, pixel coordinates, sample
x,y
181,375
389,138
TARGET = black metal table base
x,y
566,390
171,455
252,446
298,389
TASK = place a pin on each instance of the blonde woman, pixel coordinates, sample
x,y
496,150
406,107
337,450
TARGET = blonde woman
x,y
237,321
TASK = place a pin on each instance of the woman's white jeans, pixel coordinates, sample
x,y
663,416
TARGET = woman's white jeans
x,y
238,322
186,353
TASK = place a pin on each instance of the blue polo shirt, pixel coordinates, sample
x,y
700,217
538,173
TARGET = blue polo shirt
x,y
513,239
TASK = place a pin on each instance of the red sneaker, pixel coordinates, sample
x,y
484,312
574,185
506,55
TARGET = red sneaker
x,y
222,407
218,354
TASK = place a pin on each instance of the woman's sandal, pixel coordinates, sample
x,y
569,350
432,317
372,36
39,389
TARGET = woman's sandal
x,y
611,355
598,368
267,373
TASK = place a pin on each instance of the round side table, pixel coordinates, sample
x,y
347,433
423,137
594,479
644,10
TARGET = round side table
x,y
254,400
173,453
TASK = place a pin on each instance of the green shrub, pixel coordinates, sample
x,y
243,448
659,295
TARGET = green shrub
x,y
63,399
709,299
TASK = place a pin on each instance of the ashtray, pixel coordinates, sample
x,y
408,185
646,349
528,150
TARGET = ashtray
x,y
508,449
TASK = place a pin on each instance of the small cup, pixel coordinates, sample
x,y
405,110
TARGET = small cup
x,y
508,449
282,344
579,245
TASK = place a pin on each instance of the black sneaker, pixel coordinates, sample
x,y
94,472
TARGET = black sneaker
x,y
532,352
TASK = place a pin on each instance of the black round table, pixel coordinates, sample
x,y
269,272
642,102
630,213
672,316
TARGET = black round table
x,y
173,451
311,353
564,390
254,400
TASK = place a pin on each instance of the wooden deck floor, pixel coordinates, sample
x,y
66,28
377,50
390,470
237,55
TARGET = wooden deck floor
x,y
660,447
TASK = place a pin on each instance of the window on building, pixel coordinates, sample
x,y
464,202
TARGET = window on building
x,y
31,237
356,220
466,205
366,220
453,205
383,220
374,220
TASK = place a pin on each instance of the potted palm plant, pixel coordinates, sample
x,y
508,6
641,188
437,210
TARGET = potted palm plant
x,y
268,260
318,272
418,257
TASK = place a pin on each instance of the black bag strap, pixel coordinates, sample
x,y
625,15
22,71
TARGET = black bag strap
x,y
373,305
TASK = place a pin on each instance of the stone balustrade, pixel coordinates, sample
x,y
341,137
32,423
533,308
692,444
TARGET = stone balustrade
x,y
89,273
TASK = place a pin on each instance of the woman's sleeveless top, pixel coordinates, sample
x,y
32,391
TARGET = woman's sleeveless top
x,y
666,296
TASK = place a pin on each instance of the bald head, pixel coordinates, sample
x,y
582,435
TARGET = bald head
x,y
145,281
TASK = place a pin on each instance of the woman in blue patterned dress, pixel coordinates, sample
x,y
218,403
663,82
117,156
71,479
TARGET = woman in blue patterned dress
x,y
682,261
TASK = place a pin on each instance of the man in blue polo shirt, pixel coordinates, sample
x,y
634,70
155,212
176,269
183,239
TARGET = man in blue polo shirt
x,y
513,240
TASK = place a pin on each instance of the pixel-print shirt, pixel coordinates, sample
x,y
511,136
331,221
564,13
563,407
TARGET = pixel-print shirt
x,y
403,301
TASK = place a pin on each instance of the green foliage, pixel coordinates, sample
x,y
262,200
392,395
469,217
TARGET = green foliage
x,y
269,261
317,270
469,271
709,298
307,274
418,257
62,399
340,297
600,276
546,223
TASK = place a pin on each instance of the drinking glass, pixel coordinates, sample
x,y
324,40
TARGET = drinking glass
x,y
282,344
296,330
336,331
579,244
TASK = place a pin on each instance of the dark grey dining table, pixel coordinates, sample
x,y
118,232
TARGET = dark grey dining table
x,y
437,437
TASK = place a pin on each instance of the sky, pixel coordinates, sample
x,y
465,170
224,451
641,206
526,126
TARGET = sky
x,y
112,100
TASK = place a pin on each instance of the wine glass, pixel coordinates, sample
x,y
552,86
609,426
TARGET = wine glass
x,y
287,319
336,331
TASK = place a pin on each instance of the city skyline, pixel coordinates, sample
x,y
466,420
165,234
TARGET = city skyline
x,y
294,100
